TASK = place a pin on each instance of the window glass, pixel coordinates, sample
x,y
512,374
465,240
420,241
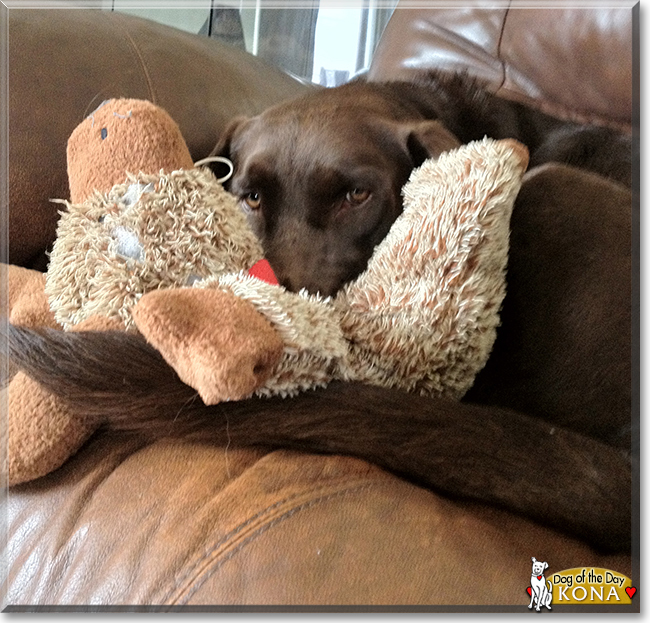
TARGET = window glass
x,y
327,42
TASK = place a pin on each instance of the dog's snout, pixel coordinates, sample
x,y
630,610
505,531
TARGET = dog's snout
x,y
301,257
315,264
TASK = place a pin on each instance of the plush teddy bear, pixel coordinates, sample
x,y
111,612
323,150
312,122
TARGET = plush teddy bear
x,y
169,252
41,432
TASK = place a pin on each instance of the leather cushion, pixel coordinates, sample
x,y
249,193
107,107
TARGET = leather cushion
x,y
574,63
179,523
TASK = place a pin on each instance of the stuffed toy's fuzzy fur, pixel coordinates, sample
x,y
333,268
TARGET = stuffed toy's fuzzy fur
x,y
166,250
423,316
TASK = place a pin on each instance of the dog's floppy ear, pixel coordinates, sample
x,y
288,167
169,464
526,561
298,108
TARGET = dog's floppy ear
x,y
428,139
545,565
223,147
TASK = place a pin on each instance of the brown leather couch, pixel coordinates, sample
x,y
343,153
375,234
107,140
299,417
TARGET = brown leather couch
x,y
185,524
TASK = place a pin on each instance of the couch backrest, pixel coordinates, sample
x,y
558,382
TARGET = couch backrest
x,y
571,62
64,63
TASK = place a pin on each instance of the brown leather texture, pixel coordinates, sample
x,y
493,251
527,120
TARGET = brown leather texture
x,y
570,62
181,524
185,523
64,63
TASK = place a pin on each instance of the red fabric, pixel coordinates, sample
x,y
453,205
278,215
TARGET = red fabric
x,y
262,270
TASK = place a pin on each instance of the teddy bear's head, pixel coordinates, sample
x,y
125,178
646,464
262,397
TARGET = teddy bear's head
x,y
142,216
122,135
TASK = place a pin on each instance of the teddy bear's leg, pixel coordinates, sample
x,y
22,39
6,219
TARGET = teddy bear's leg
x,y
42,431
424,314
217,343
27,303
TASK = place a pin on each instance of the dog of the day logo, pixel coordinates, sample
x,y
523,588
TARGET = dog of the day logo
x,y
580,585
540,589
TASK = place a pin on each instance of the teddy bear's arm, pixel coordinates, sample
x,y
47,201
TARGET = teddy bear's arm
x,y
314,346
216,342
423,316
27,304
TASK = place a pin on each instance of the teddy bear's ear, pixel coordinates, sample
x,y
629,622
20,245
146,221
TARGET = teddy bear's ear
x,y
427,139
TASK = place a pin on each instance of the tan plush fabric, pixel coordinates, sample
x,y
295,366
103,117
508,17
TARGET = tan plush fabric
x,y
110,251
423,316
310,327
37,422
40,432
26,301
137,200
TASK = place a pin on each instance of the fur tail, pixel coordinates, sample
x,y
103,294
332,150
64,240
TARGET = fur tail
x,y
555,476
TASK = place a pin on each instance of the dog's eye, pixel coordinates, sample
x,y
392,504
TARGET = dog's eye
x,y
252,201
357,196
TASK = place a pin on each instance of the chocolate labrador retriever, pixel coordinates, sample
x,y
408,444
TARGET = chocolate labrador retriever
x,y
546,429
320,177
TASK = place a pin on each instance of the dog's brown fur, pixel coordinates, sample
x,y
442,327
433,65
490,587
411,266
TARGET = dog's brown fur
x,y
301,160
545,431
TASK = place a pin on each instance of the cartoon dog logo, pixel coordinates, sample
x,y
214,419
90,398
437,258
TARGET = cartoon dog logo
x,y
541,590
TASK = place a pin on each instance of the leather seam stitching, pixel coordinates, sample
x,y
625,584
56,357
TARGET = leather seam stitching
x,y
186,592
235,531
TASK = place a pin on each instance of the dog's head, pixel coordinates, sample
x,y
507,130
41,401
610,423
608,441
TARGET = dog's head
x,y
320,178
539,567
